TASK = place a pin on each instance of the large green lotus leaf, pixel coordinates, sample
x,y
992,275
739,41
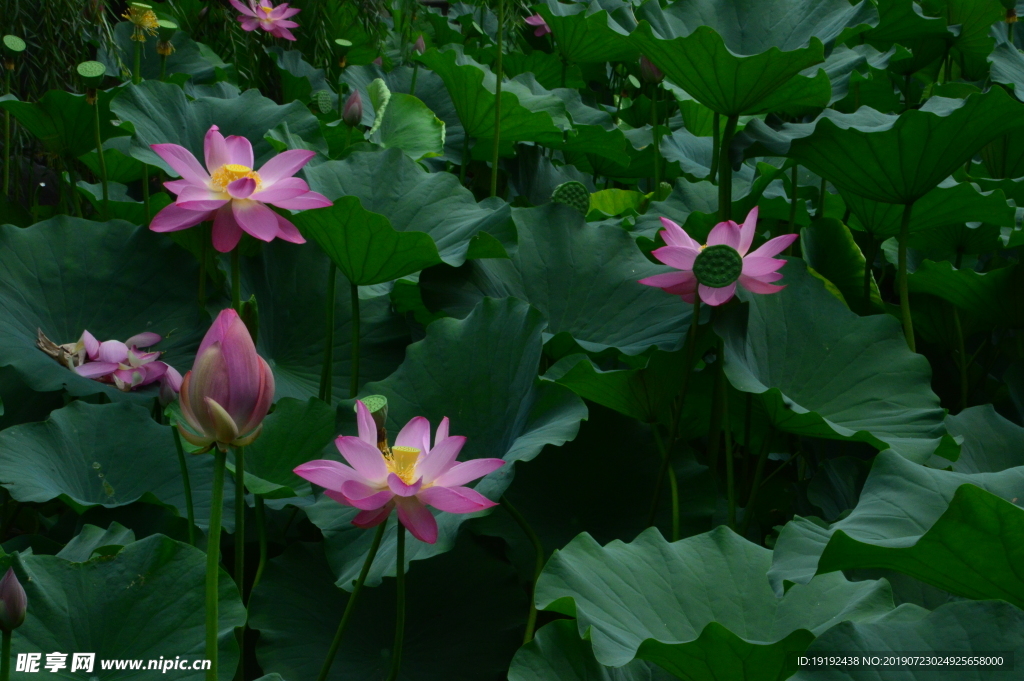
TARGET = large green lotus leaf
x,y
121,167
414,200
893,159
902,23
829,249
1007,67
299,78
464,618
964,628
161,114
122,206
410,126
471,88
973,44
188,56
585,33
364,245
557,653
545,66
63,122
294,433
989,298
667,603
991,442
597,300
900,502
708,49
1004,157
144,603
949,203
67,275
877,390
292,322
92,539
481,372
102,455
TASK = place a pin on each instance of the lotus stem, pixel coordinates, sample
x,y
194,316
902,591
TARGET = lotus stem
x,y
908,322
187,484
5,657
497,102
213,562
240,550
716,136
465,158
163,67
350,605
76,200
354,386
538,549
145,191
261,531
725,170
657,140
821,200
962,351
415,72
755,486
672,482
7,136
869,261
102,159
236,281
730,464
396,659
792,205
326,372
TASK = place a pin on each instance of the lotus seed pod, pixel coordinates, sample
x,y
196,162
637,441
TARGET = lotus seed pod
x,y
92,73
378,406
323,101
13,45
574,195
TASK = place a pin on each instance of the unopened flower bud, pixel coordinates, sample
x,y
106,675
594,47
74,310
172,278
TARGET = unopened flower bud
x,y
13,602
420,46
649,72
352,113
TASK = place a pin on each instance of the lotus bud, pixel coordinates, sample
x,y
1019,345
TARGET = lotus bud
x,y
13,602
229,390
420,46
649,72
352,113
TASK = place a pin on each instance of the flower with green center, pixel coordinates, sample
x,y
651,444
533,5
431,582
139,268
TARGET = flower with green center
x,y
713,270
143,19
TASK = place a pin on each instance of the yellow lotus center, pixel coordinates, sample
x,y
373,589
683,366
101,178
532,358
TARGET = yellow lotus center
x,y
268,10
227,174
402,463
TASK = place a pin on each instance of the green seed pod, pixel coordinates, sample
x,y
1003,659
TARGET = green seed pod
x,y
378,406
167,29
323,101
92,73
13,45
574,195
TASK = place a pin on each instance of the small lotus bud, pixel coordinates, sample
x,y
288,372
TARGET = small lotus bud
x,y
420,46
352,113
13,602
649,72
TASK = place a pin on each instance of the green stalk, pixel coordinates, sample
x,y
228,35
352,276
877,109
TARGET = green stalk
x,y
869,261
396,659
961,350
725,170
901,274
354,386
145,191
76,200
716,135
415,72
497,103
236,281
350,606
715,425
326,372
136,79
7,136
820,213
538,550
261,531
213,562
672,482
657,139
189,510
137,70
762,459
793,199
730,465
163,67
5,657
465,160
101,158
240,550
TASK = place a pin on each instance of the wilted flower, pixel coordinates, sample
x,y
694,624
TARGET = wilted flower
x,y
13,602
410,476
420,45
143,19
229,389
263,14
126,364
232,194
352,112
713,270
649,72
538,21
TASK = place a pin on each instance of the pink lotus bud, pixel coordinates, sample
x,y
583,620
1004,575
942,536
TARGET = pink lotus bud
x,y
352,113
13,602
170,384
229,389
420,46
649,72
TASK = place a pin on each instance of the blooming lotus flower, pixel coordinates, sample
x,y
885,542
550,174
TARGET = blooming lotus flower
x,y
13,602
234,195
229,390
410,476
714,269
124,364
263,14
538,21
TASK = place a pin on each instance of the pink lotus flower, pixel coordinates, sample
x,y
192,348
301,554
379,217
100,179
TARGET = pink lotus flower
x,y
713,270
229,390
538,21
232,194
411,475
263,14
125,365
